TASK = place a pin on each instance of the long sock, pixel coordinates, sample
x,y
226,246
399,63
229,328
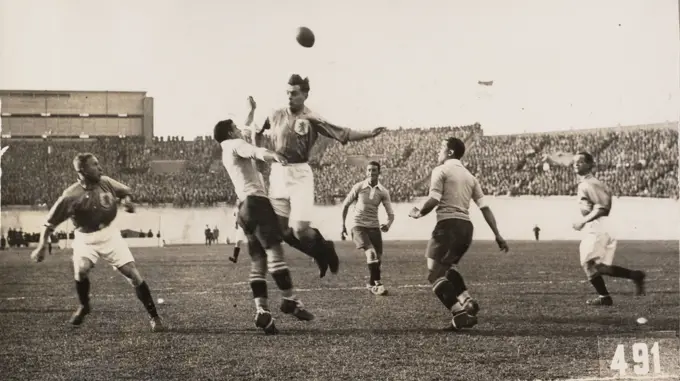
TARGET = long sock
x,y
457,279
598,282
445,291
259,288
144,295
83,290
616,271
374,272
237,250
284,282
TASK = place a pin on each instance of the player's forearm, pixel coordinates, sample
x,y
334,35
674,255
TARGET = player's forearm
x,y
390,219
595,214
490,220
345,209
428,206
45,234
359,135
250,117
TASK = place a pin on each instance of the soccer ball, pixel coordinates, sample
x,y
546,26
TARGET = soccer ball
x,y
305,37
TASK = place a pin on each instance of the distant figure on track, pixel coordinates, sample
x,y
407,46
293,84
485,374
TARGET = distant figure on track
x,y
91,203
537,231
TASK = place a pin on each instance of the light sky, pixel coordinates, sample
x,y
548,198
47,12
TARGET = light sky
x,y
556,64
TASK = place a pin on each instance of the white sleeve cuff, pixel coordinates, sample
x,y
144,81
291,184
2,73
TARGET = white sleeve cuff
x,y
435,195
481,203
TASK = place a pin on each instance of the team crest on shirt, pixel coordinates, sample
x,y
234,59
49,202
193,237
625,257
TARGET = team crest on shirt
x,y
301,126
106,200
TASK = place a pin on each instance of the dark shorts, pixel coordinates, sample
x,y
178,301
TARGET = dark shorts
x,y
259,223
365,238
450,240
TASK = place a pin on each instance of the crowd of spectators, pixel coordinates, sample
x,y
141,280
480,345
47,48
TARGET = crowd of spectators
x,y
638,162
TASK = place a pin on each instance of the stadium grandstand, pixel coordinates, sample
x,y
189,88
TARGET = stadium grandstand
x,y
46,129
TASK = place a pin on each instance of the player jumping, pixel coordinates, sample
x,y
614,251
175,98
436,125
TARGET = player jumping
x,y
597,246
294,130
367,231
91,203
451,188
259,223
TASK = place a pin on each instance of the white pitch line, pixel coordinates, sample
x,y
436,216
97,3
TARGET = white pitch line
x,y
656,377
170,290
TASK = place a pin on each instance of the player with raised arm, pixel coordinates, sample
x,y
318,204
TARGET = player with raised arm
x,y
451,188
367,230
259,223
239,237
294,130
91,203
597,246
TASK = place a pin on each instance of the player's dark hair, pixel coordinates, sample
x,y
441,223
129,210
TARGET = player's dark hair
x,y
223,130
374,163
80,160
587,156
457,146
296,80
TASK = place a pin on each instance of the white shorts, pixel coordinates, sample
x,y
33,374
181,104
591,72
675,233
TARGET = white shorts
x,y
291,191
597,245
106,243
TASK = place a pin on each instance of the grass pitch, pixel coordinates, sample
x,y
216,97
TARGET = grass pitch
x,y
533,323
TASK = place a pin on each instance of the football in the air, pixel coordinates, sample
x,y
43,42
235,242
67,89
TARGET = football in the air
x,y
305,37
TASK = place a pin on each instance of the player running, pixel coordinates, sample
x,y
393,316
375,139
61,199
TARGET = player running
x,y
367,230
597,246
239,237
451,188
259,223
91,203
294,130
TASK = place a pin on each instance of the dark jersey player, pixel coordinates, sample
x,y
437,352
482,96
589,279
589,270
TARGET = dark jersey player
x,y
294,130
91,203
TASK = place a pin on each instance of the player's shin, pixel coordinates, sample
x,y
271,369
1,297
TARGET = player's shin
x,y
258,282
144,295
83,290
290,238
464,297
447,292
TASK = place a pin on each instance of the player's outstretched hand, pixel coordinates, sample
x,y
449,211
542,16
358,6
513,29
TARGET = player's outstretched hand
x,y
414,213
502,244
279,158
384,228
251,103
378,131
38,255
578,225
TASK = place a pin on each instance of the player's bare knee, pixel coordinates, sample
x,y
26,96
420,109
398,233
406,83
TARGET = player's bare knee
x,y
130,271
436,270
371,256
81,268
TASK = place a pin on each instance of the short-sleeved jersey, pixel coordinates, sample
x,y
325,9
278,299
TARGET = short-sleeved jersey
x,y
90,206
238,159
294,135
368,199
593,194
454,186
